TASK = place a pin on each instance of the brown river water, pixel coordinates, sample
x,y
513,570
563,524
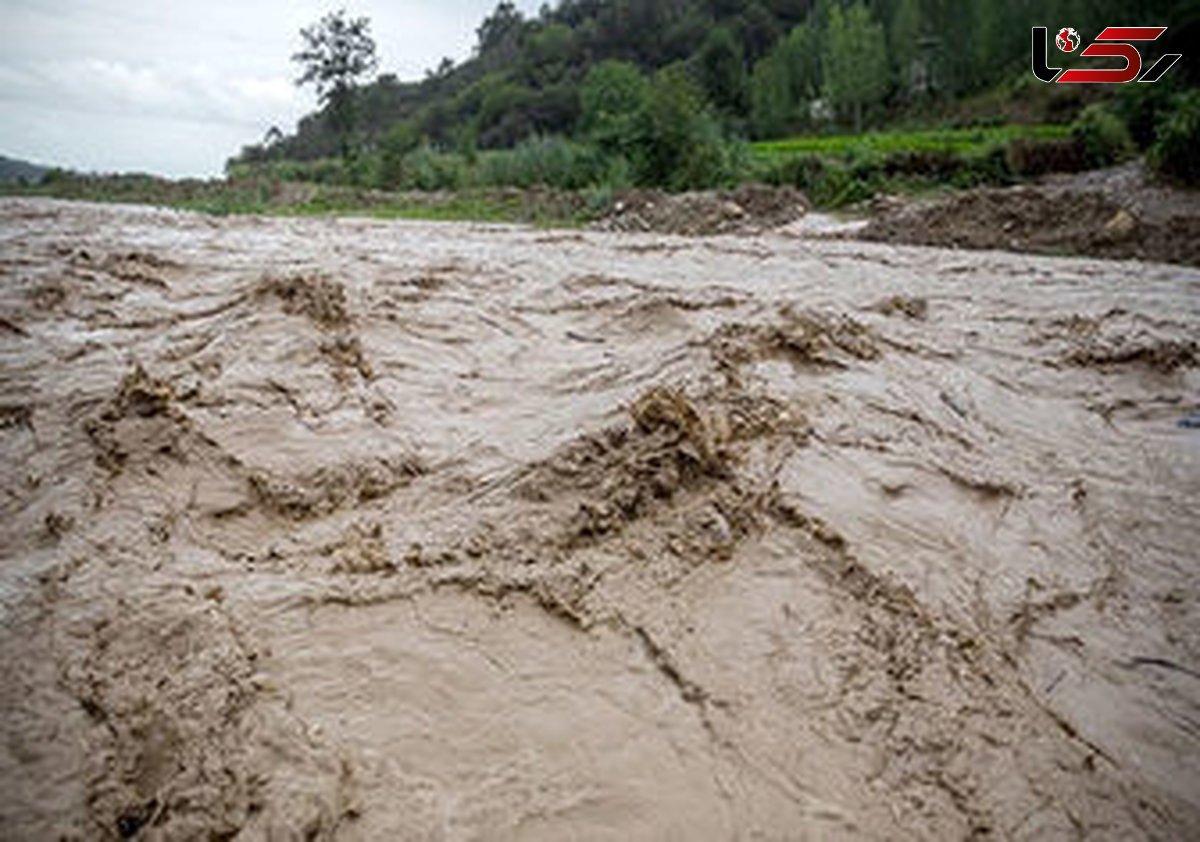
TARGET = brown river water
x,y
346,529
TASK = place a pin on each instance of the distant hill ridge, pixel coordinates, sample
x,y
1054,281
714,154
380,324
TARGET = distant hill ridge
x,y
13,170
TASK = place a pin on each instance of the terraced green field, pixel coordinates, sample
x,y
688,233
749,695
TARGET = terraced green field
x,y
957,141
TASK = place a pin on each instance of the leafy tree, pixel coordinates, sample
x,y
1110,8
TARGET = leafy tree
x,y
338,51
666,125
759,31
638,30
498,25
856,62
1176,150
1142,107
721,70
987,39
613,95
445,68
677,142
500,35
902,40
396,145
548,53
504,114
784,82
680,37
771,102
1104,138
802,55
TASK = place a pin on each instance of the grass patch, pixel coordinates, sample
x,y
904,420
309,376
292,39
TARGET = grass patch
x,y
975,141
840,170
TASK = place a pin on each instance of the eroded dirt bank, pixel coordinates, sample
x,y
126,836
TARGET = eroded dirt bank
x,y
353,530
1117,213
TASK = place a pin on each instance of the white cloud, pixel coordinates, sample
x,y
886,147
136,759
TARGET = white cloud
x,y
118,143
176,88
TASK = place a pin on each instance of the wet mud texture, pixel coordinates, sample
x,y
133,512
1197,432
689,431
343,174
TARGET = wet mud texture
x,y
354,530
1116,214
748,209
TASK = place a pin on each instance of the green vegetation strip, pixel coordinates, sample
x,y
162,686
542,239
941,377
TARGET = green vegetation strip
x,y
224,197
456,209
957,141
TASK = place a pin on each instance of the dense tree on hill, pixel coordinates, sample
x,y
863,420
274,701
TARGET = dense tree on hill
x,y
762,66
500,36
338,51
722,71
772,100
904,47
613,95
758,30
784,82
856,65
676,142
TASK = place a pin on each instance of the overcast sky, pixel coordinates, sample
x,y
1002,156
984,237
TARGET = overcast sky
x,y
175,88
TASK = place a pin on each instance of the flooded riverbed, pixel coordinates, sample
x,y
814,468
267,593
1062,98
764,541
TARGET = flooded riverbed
x,y
343,529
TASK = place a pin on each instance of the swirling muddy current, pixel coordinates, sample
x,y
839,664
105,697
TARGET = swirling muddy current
x,y
346,529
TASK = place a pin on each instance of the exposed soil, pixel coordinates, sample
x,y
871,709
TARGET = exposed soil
x,y
344,529
1113,213
749,209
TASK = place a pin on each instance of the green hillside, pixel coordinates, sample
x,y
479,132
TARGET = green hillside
x,y
757,70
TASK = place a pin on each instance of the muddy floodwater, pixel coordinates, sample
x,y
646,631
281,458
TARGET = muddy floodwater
x,y
356,530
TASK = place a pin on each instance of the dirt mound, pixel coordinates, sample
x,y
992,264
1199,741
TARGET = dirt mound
x,y
345,355
15,415
140,421
748,209
322,301
1117,339
326,489
665,486
910,306
1103,349
622,475
769,207
1043,219
1160,355
804,337
320,298
136,266
183,742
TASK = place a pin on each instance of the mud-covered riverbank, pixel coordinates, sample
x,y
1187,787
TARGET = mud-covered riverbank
x,y
1118,214
341,529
